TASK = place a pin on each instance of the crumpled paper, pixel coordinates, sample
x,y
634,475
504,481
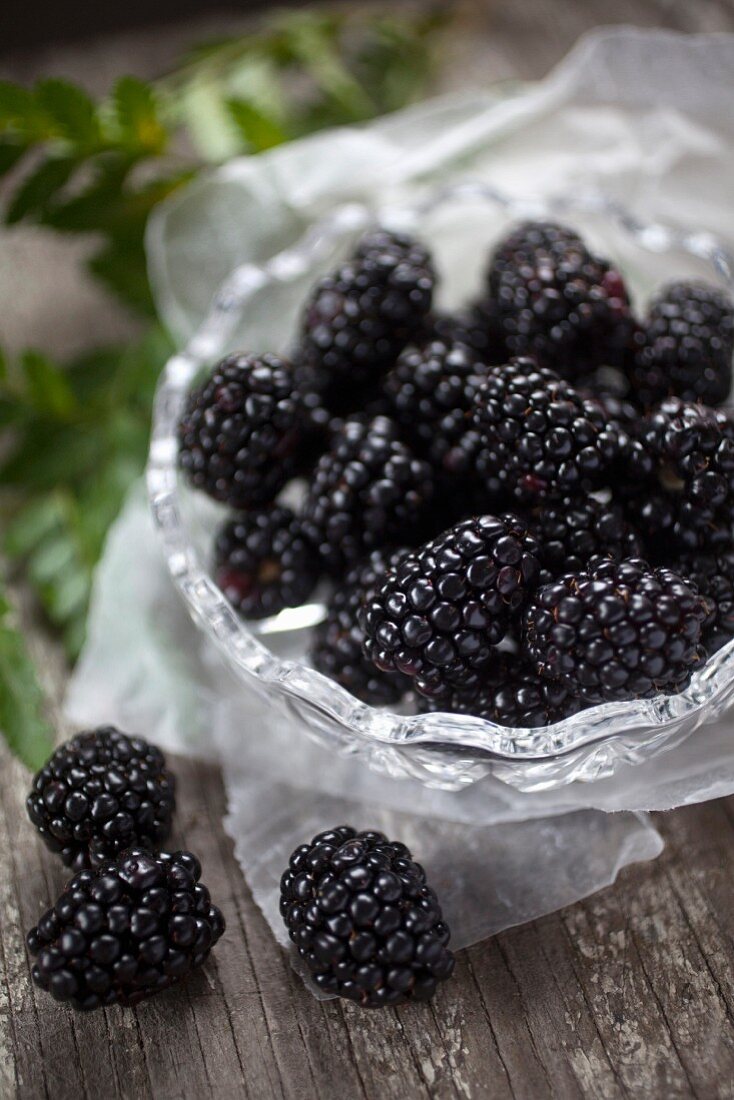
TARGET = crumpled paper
x,y
611,118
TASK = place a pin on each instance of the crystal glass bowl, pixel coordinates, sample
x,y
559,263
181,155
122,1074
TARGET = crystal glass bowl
x,y
259,303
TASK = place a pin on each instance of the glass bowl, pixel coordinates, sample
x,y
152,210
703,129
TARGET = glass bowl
x,y
256,308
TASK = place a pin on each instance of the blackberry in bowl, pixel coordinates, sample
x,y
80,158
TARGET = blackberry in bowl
x,y
561,442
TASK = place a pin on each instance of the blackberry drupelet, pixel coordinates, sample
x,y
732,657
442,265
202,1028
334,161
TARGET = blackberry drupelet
x,y
557,301
685,346
512,694
572,531
440,610
359,910
367,491
431,390
264,562
359,318
336,648
713,576
240,430
537,436
126,931
99,793
621,631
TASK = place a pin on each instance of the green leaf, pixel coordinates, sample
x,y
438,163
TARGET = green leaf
x,y
22,720
122,266
259,130
47,388
39,188
71,111
31,525
16,103
136,114
10,154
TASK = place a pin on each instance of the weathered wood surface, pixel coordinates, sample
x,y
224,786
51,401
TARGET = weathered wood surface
x,y
627,994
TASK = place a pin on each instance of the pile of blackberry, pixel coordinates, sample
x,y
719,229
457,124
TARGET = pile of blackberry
x,y
134,920
557,469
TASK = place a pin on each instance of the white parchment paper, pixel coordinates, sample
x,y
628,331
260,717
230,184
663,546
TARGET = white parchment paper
x,y
646,118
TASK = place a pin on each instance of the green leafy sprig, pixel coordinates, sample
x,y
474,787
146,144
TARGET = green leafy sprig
x,y
74,436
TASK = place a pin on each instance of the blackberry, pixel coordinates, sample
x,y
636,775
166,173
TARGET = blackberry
x,y
359,910
713,576
477,327
336,648
126,931
431,390
571,532
623,630
693,447
359,318
677,476
558,302
441,609
240,430
685,346
264,562
537,436
367,491
99,793
512,694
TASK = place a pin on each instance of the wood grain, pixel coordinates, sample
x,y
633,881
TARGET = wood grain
x,y
627,994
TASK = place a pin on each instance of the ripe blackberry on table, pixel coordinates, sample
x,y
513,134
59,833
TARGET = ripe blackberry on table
x,y
264,562
240,430
623,630
336,647
572,531
512,694
369,490
537,436
685,346
713,576
369,927
121,933
558,302
440,610
359,318
100,792
431,389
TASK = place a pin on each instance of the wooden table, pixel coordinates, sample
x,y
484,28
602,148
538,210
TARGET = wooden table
x,y
629,993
